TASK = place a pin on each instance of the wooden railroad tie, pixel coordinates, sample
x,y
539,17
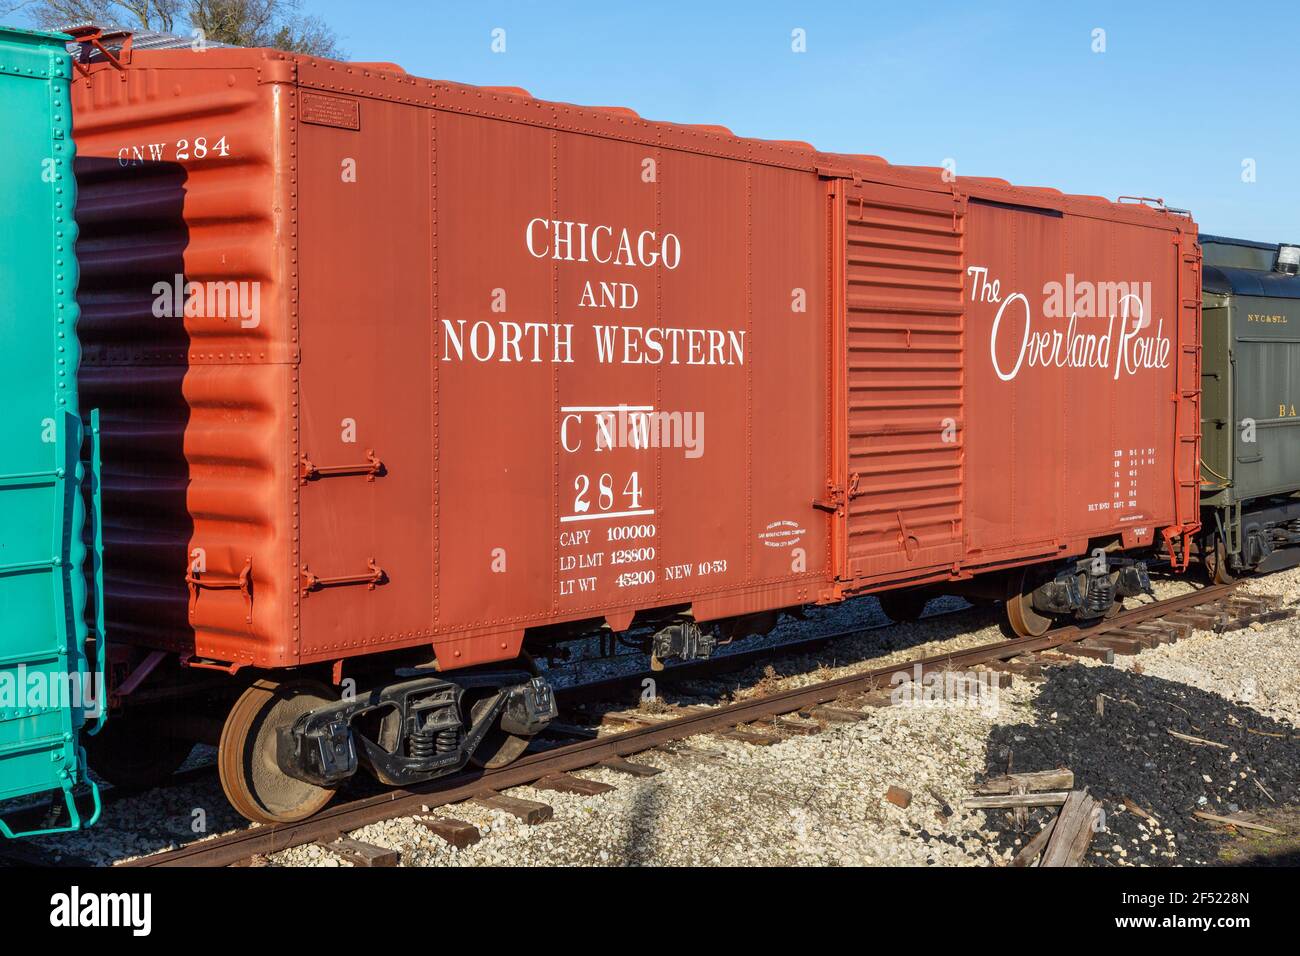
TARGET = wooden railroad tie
x,y
741,735
1143,638
567,783
653,718
1163,633
456,832
529,812
576,731
1119,645
796,728
629,768
833,715
1074,649
362,854
1019,667
1205,618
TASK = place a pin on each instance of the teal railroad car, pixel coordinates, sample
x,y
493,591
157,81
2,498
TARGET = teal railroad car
x,y
50,660
1250,447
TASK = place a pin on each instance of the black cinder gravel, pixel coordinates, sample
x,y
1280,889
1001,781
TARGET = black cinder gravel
x,y
1129,753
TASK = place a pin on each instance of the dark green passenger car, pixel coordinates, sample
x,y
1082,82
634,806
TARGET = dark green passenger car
x,y
1250,447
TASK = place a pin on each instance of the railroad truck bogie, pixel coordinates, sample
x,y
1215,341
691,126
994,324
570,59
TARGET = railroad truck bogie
x,y
1083,591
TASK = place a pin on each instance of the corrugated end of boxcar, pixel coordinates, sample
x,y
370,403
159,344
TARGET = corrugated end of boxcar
x,y
188,324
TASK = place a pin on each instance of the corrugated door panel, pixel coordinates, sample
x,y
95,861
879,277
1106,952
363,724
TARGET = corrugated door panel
x,y
904,379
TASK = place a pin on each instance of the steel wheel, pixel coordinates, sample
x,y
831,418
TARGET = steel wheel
x,y
134,753
253,782
1216,563
1024,620
903,606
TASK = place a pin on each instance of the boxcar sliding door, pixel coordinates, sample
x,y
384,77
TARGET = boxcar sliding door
x,y
898,488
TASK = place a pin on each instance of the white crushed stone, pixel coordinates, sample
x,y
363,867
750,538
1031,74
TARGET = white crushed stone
x,y
816,800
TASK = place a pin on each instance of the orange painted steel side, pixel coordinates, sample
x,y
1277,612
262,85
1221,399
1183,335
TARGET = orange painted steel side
x,y
403,449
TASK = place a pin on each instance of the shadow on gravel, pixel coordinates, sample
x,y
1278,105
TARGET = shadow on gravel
x,y
1129,752
644,813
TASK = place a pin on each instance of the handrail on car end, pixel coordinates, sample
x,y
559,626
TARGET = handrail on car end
x,y
1155,203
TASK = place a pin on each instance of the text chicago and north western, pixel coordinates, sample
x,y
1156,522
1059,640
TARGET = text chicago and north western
x,y
580,242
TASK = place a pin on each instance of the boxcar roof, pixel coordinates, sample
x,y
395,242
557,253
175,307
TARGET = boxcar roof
x,y
392,82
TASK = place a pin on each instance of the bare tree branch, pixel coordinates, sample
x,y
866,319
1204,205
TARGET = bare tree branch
x,y
269,23
273,23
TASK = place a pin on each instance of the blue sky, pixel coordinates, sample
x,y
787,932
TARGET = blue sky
x,y
1183,94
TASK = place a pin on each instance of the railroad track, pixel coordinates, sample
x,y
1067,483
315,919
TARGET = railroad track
x,y
1217,608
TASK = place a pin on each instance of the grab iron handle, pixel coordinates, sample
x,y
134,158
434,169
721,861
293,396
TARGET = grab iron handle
x,y
371,467
373,576
244,583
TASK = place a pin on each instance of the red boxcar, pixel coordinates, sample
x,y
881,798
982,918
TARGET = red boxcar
x,y
394,364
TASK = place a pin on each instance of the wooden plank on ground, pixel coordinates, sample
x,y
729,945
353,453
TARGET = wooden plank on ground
x,y
1059,779
1075,826
1236,820
1051,798
1032,850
